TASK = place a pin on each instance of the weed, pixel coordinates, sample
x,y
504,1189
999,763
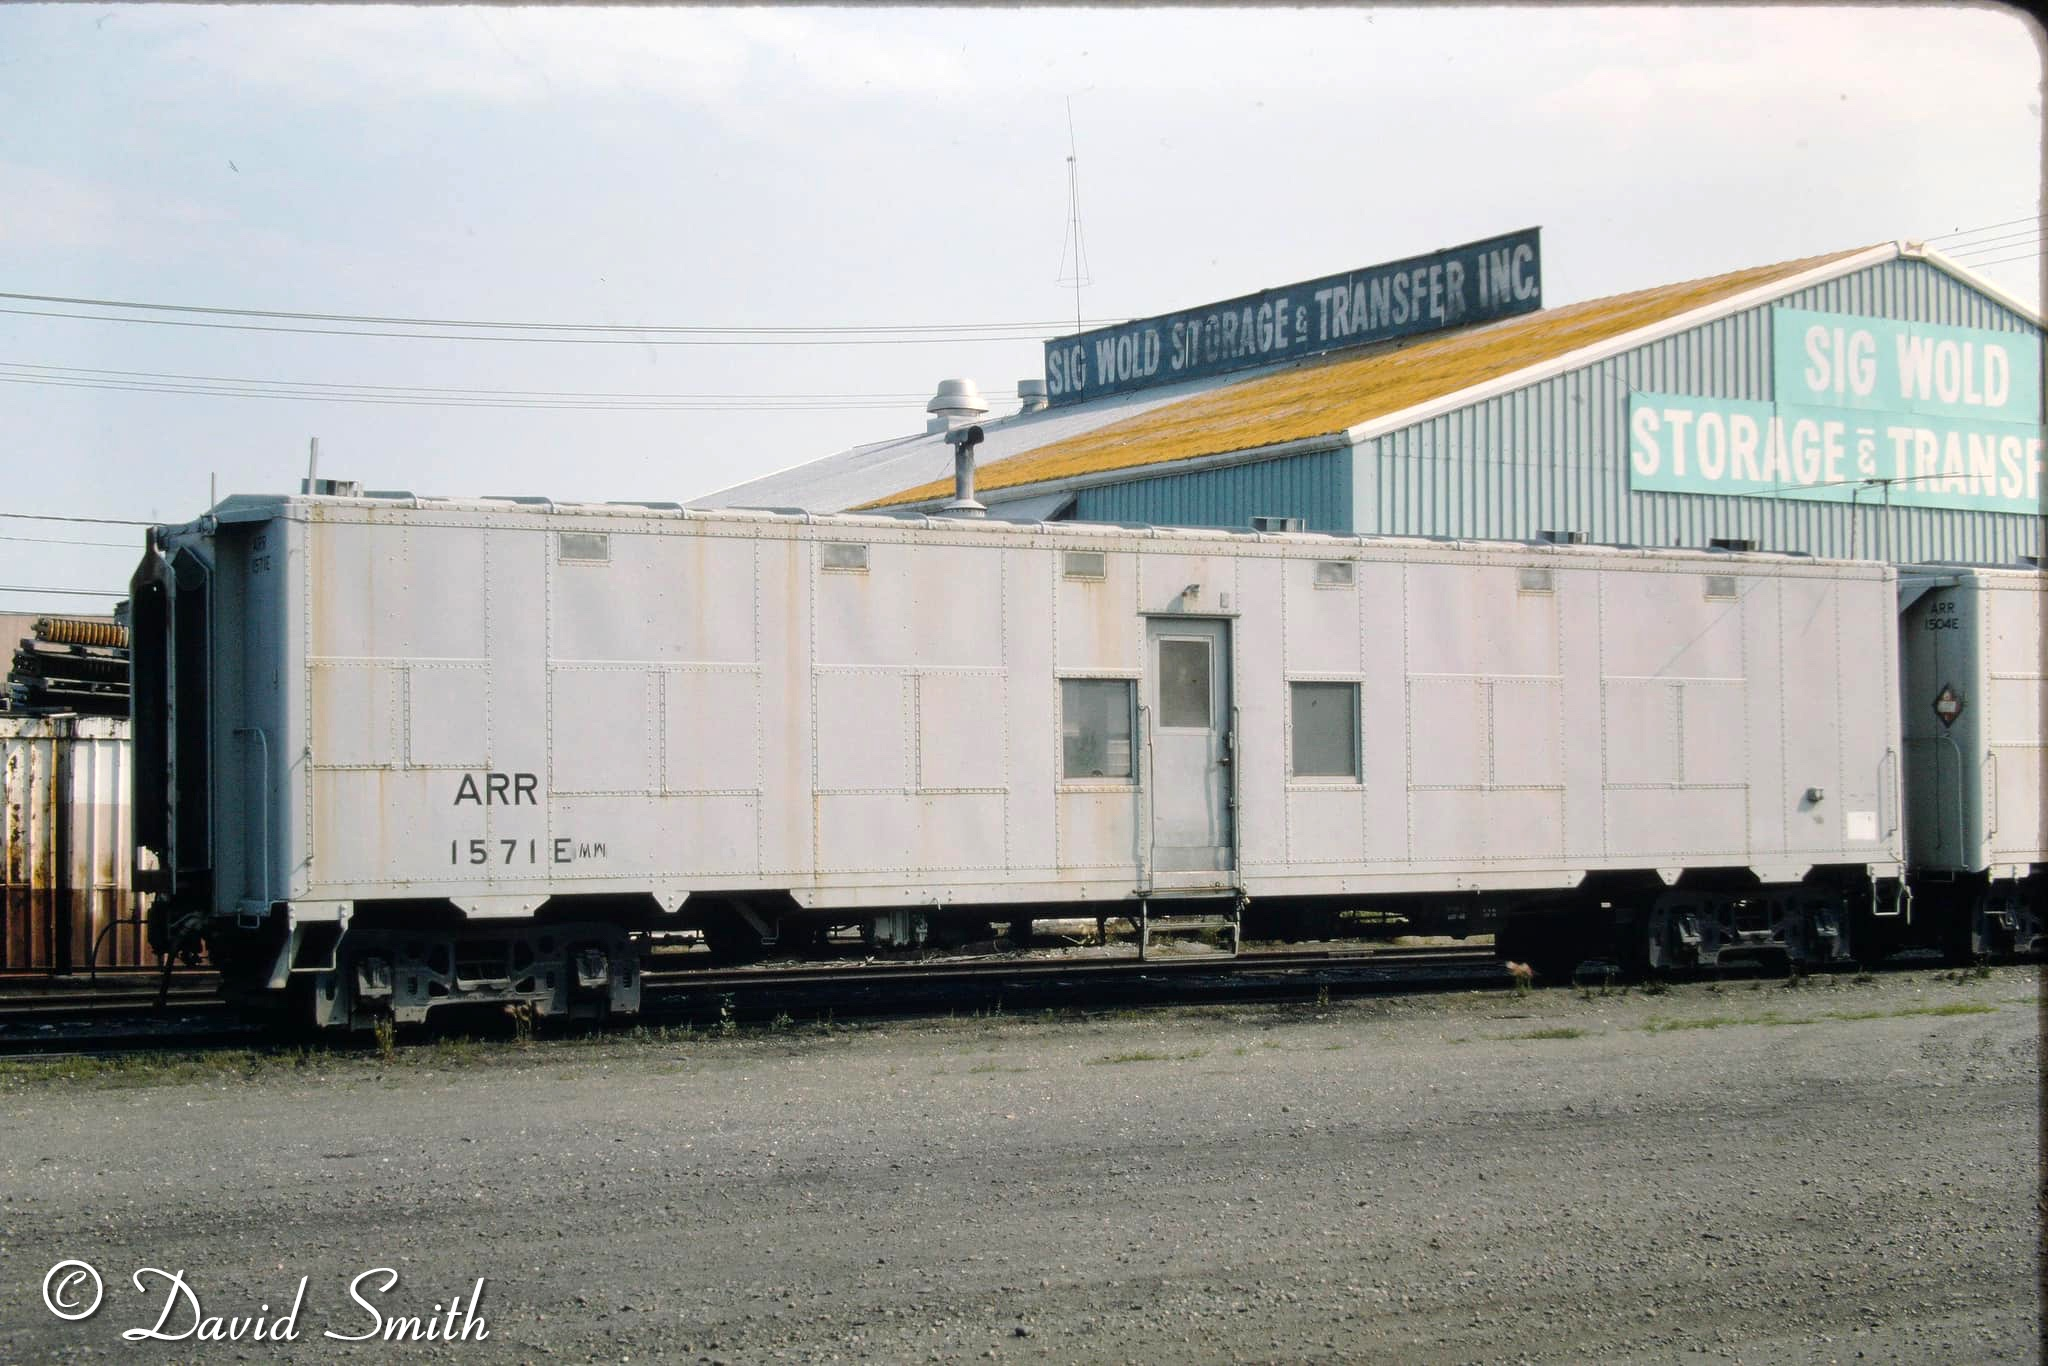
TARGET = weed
x,y
386,1033
1144,1055
984,1068
1655,986
1864,977
1323,997
727,1026
1560,1032
522,1024
781,1023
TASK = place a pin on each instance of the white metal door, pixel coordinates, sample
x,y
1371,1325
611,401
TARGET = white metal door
x,y
1189,750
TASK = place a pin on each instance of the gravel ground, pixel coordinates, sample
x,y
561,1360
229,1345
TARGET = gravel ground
x,y
1843,1171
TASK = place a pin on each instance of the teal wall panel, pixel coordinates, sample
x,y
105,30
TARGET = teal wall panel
x,y
1554,456
1315,487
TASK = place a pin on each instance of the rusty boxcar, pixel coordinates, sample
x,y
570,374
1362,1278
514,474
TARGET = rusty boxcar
x,y
69,900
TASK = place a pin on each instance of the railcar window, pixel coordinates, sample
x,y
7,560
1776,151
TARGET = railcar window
x,y
595,546
1095,727
1085,564
837,555
1184,683
1334,574
1325,729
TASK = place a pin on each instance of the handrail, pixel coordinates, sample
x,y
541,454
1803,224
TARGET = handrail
x,y
1149,832
1888,783
1236,806
1961,816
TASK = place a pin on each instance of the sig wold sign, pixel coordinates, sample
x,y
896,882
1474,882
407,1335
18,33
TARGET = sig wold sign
x,y
1455,287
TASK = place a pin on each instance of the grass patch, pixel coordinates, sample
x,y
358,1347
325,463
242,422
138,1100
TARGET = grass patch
x,y
156,1069
1773,1018
984,1068
1560,1032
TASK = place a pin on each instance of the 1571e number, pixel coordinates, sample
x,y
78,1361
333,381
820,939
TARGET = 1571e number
x,y
563,850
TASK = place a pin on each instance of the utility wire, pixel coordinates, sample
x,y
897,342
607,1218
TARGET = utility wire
x,y
953,340
2034,255
1995,243
1965,232
285,314
286,395
439,391
68,592
55,517
57,540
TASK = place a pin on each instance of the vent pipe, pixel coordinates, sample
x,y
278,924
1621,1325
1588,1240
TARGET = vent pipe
x,y
963,440
1032,394
957,401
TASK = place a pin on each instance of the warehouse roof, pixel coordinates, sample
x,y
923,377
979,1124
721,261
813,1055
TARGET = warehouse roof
x,y
858,476
1355,395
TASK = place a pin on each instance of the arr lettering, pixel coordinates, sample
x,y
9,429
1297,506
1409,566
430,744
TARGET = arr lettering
x,y
499,789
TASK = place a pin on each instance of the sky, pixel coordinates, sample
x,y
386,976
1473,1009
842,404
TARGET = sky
x,y
839,168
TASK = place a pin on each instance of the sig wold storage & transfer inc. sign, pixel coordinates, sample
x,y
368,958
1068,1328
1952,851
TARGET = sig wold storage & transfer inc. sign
x,y
1932,416
1455,287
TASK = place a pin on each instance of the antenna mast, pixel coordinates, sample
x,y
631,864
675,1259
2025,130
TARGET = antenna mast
x,y
1076,245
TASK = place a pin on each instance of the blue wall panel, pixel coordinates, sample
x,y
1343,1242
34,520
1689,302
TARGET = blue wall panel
x,y
1554,456
1315,487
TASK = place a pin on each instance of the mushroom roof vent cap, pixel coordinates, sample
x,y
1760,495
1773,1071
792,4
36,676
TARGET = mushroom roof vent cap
x,y
957,396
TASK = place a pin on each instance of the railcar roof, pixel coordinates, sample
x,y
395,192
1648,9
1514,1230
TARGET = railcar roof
x,y
265,507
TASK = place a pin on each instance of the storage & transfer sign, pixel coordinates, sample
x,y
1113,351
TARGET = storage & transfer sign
x,y
1931,416
1455,287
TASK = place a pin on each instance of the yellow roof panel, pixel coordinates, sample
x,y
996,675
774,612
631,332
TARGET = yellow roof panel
x,y
1331,395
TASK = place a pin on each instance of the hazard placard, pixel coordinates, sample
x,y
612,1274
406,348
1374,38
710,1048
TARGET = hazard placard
x,y
1948,705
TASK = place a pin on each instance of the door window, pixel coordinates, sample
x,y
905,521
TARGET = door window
x,y
1184,689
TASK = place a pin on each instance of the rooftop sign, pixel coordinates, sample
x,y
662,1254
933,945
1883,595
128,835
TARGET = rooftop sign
x,y
1455,287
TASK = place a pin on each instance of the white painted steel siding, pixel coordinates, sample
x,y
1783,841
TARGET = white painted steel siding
x,y
726,703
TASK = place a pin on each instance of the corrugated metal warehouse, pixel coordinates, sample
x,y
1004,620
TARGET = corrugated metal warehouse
x,y
1880,402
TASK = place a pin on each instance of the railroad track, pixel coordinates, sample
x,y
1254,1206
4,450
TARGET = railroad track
x,y
50,1017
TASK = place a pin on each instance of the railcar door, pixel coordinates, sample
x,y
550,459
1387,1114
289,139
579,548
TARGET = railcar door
x,y
1189,753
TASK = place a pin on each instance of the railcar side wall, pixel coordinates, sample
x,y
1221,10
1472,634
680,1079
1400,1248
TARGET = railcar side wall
x,y
496,706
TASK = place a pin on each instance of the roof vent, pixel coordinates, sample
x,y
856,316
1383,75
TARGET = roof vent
x,y
1732,543
956,402
1268,525
1031,393
1562,537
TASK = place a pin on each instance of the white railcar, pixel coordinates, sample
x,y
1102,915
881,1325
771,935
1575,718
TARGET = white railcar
x,y
409,751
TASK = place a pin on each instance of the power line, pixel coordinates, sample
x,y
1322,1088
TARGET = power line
x,y
287,395
68,592
2033,255
1965,232
558,340
292,315
55,540
1995,243
56,517
444,391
